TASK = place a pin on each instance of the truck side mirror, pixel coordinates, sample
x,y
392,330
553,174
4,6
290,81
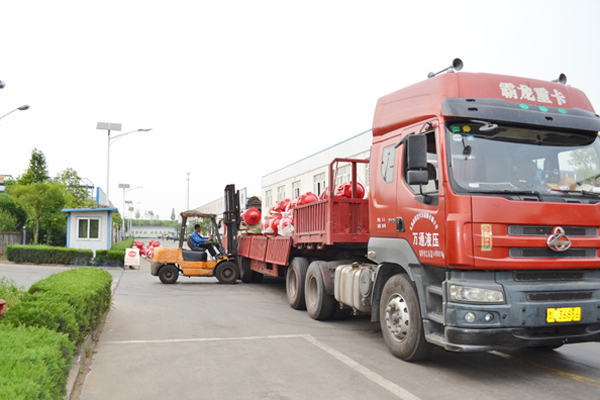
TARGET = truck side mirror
x,y
416,149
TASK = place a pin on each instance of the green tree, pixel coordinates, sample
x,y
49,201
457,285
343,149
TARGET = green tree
x,y
173,214
37,171
8,223
42,201
76,193
15,210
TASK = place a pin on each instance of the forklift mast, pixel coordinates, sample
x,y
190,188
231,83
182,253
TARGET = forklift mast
x,y
232,218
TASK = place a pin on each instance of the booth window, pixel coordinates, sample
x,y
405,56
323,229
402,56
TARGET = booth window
x,y
88,228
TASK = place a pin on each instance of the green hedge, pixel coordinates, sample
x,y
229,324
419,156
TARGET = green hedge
x,y
125,244
35,363
10,291
40,254
71,302
109,258
39,332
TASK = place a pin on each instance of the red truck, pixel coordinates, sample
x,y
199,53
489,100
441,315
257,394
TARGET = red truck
x,y
480,230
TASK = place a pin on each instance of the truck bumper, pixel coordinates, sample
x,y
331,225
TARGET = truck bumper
x,y
522,319
477,340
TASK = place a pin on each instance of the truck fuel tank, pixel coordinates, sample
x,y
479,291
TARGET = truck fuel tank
x,y
353,285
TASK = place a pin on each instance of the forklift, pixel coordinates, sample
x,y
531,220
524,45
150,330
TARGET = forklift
x,y
168,263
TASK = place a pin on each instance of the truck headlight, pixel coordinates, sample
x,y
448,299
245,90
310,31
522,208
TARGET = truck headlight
x,y
475,295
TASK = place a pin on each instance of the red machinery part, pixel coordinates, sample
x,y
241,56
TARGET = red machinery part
x,y
252,216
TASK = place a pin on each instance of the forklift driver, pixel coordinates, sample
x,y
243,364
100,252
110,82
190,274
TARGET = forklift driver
x,y
200,243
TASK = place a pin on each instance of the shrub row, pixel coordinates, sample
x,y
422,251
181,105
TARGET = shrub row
x,y
110,258
59,255
71,302
39,332
35,363
125,244
41,254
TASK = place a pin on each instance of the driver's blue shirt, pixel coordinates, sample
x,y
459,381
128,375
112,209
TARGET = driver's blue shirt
x,y
197,240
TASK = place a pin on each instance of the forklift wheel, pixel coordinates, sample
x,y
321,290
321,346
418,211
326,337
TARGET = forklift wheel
x,y
227,272
168,274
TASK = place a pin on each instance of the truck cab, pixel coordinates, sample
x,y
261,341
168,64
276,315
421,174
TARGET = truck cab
x,y
484,215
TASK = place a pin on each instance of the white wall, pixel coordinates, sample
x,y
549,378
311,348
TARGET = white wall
x,y
306,169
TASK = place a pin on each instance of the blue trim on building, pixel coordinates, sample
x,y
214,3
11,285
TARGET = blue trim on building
x,y
68,230
89,209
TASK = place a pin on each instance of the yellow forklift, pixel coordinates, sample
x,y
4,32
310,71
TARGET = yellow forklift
x,y
169,263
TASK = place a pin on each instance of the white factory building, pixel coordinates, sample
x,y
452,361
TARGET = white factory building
x,y
310,174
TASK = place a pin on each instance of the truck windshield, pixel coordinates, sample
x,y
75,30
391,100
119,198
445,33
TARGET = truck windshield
x,y
501,159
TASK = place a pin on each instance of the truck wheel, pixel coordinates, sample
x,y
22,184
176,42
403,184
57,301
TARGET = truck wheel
x,y
245,271
319,304
257,277
401,322
168,274
227,272
294,282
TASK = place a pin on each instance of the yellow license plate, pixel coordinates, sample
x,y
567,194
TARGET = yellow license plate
x,y
563,314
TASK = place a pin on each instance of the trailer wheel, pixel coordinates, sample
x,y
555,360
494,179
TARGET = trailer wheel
x,y
294,282
319,304
227,272
401,322
245,271
168,274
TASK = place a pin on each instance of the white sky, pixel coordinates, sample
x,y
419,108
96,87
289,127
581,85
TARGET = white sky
x,y
237,89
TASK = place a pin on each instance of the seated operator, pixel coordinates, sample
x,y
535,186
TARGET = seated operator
x,y
200,243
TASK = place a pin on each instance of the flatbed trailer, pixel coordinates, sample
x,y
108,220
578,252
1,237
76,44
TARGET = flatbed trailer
x,y
330,228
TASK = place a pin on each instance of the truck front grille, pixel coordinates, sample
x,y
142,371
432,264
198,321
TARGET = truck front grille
x,y
545,276
532,230
539,252
559,296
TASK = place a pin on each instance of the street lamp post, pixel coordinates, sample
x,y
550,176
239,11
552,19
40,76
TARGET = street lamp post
x,y
22,108
108,126
125,187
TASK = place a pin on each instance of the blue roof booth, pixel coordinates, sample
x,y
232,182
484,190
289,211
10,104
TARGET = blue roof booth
x,y
89,228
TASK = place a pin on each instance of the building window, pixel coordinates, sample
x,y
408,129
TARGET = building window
x,y
319,183
269,198
88,228
281,193
296,189
343,174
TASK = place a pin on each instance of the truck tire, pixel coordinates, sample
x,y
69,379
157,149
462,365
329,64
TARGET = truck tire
x,y
227,272
245,271
295,278
168,274
257,277
319,304
401,322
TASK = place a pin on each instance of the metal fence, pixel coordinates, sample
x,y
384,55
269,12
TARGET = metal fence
x,y
7,238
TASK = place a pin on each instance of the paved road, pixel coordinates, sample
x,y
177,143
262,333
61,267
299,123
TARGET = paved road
x,y
26,275
198,339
